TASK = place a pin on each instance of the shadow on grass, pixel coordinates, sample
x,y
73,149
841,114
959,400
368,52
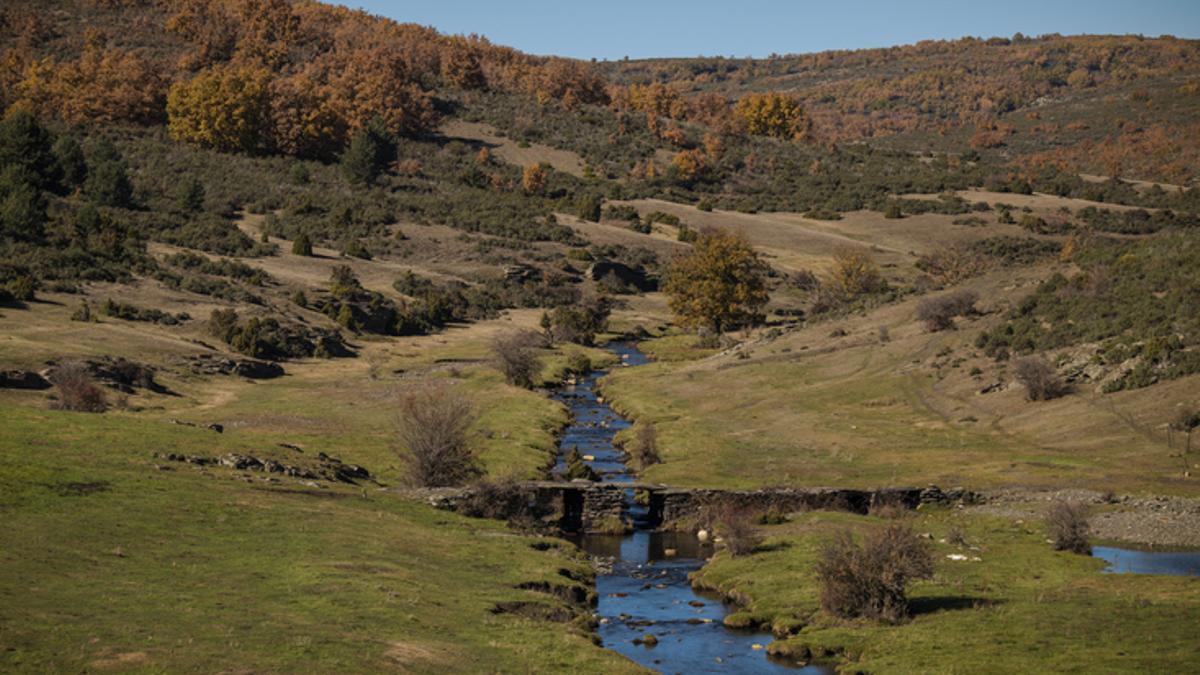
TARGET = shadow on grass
x,y
947,603
773,547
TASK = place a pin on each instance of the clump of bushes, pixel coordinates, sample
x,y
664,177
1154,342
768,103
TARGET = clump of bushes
x,y
1067,524
76,391
269,339
221,268
937,313
1040,379
578,323
432,429
870,580
515,354
120,310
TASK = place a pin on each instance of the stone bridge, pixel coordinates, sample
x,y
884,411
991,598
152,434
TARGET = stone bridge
x,y
583,506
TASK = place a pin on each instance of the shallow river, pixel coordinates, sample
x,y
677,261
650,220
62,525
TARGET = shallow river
x,y
643,590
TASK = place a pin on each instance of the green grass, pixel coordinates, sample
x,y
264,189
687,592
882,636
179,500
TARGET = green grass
x,y
1022,608
201,570
860,414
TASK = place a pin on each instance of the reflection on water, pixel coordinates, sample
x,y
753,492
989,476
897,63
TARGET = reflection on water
x,y
643,577
1132,561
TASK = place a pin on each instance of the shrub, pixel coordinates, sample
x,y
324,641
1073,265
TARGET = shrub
x,y
83,313
736,527
580,322
893,211
871,580
855,274
432,429
1040,379
515,355
302,245
588,207
644,448
938,313
1067,525
22,288
579,363
76,390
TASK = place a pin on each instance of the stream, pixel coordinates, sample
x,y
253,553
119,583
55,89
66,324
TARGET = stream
x,y
642,579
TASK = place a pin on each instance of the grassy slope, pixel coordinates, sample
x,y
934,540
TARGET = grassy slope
x,y
1022,608
811,408
197,570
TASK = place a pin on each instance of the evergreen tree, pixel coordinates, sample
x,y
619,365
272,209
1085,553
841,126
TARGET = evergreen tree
x,y
190,195
108,185
368,155
26,144
71,162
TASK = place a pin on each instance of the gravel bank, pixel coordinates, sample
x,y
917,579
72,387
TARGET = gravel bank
x,y
1148,521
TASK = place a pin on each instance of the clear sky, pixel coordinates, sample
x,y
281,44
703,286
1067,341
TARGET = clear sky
x,y
612,29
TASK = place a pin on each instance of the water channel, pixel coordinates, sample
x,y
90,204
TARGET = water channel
x,y
643,582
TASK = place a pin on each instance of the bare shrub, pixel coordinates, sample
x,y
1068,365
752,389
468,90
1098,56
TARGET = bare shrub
x,y
376,361
952,264
432,430
76,389
1067,524
956,536
938,313
644,448
1040,379
515,355
736,527
890,510
871,580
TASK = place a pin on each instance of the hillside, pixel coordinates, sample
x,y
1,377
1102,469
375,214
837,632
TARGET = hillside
x,y
237,238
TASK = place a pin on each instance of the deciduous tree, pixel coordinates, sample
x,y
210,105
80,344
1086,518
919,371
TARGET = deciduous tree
x,y
772,114
225,108
719,285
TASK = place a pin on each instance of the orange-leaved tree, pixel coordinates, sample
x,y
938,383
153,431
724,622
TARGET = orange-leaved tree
x,y
720,284
225,108
772,114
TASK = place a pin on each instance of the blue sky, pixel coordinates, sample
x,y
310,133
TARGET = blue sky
x,y
612,29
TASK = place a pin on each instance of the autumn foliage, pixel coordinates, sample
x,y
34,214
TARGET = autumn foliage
x,y
104,85
720,284
273,75
227,108
772,114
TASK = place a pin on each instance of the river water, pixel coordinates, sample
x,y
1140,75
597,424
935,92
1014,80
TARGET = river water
x,y
642,582
1133,561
